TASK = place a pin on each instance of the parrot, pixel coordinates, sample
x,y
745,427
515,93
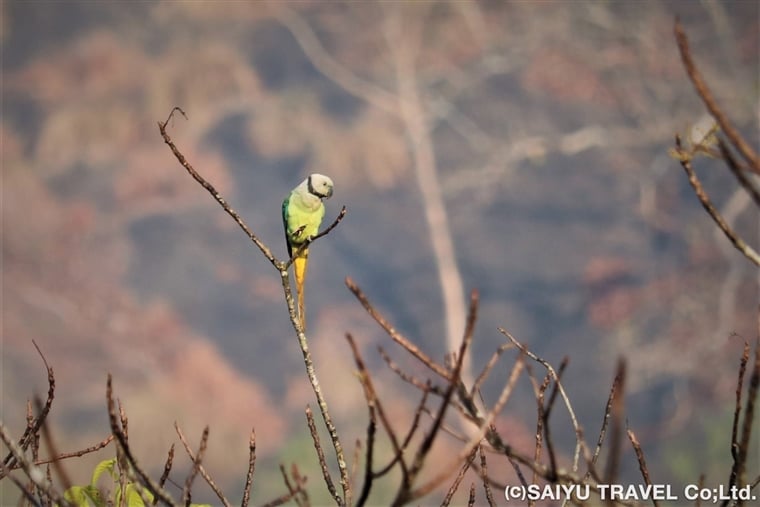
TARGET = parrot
x,y
302,213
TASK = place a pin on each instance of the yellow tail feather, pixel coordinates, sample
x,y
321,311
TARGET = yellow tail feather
x,y
299,267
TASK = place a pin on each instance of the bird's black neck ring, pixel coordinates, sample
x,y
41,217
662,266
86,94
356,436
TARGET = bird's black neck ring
x,y
311,189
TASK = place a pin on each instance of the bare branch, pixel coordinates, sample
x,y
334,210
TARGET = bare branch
x,y
321,456
412,429
642,462
393,333
52,449
167,469
710,103
210,189
545,414
77,454
738,242
35,474
614,392
121,439
372,400
405,491
563,394
458,479
198,465
484,477
749,412
411,379
616,428
31,433
476,438
251,468
738,171
488,367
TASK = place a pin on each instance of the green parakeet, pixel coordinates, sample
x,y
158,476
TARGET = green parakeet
x,y
302,213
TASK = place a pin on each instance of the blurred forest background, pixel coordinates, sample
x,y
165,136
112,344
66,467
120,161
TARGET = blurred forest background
x,y
520,148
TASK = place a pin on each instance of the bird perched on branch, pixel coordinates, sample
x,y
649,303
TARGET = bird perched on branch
x,y
302,213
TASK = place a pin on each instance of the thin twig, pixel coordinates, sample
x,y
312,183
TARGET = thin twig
x,y
545,414
738,171
471,497
642,462
210,188
77,454
393,333
616,428
738,242
458,479
154,488
320,454
700,485
369,476
293,491
31,433
710,103
356,459
405,491
198,464
410,379
735,425
484,477
300,483
35,474
251,468
282,499
412,429
167,469
197,460
488,367
614,391
52,449
747,422
370,396
476,437
563,394
540,419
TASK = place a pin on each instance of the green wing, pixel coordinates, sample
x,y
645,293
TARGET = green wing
x,y
285,204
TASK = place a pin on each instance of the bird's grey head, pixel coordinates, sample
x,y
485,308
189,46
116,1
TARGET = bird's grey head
x,y
319,185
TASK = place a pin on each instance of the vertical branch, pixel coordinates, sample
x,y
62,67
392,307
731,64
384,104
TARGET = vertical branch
x,y
749,413
121,439
320,454
251,468
167,470
404,53
616,430
642,462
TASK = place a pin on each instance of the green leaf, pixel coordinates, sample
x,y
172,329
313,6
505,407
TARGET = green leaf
x,y
109,466
133,496
84,496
